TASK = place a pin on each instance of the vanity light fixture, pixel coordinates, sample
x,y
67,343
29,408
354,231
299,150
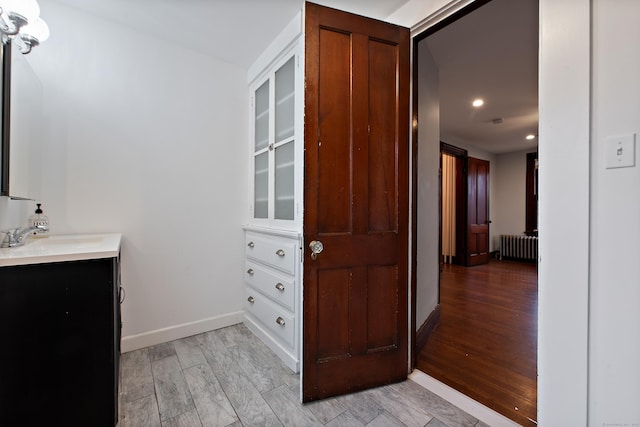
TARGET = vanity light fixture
x,y
20,21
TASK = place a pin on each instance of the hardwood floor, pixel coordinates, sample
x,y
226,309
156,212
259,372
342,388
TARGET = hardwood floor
x,y
228,377
485,345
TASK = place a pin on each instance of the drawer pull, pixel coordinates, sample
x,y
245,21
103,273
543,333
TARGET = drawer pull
x,y
280,252
251,300
250,271
250,244
280,287
280,321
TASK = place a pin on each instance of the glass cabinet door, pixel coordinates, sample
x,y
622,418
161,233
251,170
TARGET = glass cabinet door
x,y
261,123
284,200
261,186
261,157
274,137
285,100
284,155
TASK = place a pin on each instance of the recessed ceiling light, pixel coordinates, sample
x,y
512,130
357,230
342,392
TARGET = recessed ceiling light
x,y
530,136
477,102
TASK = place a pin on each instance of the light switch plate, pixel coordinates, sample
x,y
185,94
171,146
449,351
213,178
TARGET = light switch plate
x,y
620,151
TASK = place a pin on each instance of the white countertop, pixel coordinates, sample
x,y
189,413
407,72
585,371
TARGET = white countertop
x,y
60,248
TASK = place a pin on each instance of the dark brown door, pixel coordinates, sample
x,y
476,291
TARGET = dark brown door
x,y
477,211
356,203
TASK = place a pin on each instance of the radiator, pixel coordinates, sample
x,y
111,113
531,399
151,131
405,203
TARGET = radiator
x,y
519,247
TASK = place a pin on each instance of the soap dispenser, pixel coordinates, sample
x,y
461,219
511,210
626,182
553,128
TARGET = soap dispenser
x,y
39,219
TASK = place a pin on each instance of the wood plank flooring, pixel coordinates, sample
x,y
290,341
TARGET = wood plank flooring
x,y
228,377
485,345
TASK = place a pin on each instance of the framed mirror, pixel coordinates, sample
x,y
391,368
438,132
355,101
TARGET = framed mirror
x,y
21,127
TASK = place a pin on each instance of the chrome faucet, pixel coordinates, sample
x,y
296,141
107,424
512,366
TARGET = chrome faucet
x,y
16,236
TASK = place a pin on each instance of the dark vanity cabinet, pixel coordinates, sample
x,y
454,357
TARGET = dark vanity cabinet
x,y
60,330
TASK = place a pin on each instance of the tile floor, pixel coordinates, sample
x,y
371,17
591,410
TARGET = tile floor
x,y
228,377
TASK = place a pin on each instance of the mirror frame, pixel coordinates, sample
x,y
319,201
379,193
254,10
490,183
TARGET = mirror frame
x,y
5,137
5,85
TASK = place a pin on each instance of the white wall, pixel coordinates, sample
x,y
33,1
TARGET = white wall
x,y
614,313
509,175
148,139
428,186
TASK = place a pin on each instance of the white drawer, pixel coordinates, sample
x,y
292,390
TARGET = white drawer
x,y
275,251
272,316
276,285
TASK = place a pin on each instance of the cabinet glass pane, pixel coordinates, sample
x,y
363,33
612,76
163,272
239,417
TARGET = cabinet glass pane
x,y
262,117
285,100
284,161
261,186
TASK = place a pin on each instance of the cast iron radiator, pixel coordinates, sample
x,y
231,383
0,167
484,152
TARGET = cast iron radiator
x,y
519,247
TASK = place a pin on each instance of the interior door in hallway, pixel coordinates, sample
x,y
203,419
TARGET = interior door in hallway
x,y
356,203
477,211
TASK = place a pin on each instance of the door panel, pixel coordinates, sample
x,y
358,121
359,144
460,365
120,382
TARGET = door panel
x,y
334,156
382,162
333,314
356,203
477,211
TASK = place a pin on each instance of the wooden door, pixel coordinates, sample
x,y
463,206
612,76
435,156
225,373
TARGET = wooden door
x,y
356,203
477,211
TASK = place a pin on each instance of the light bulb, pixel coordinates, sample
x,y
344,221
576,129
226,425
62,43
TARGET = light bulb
x,y
38,29
28,9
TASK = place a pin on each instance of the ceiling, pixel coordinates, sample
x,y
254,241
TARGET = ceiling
x,y
235,31
490,53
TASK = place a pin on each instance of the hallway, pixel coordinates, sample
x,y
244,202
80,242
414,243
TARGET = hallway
x,y
486,342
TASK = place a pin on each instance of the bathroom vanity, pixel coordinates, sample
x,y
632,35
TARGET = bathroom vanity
x,y
60,329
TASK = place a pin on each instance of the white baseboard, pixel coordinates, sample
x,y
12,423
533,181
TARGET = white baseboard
x,y
462,401
146,339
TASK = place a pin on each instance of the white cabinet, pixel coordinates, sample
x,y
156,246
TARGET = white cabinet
x,y
276,141
272,271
